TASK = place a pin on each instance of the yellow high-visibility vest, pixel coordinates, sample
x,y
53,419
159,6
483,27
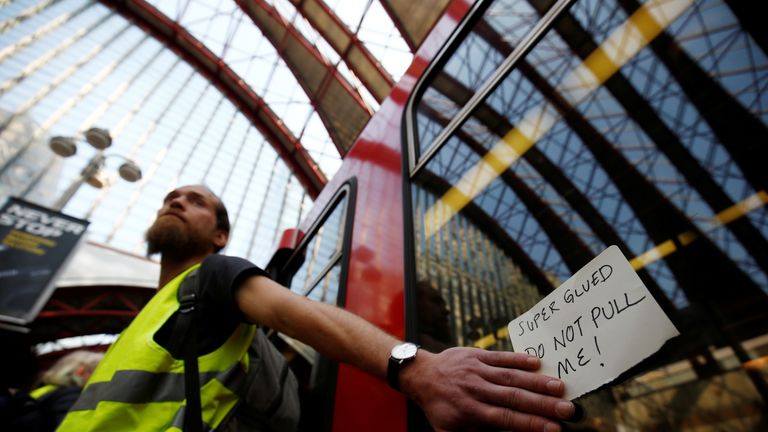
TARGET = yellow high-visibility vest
x,y
139,386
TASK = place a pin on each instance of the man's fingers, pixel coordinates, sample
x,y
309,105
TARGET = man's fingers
x,y
519,399
508,359
524,379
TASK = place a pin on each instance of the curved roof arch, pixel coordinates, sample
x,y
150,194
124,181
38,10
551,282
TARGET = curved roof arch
x,y
194,52
336,101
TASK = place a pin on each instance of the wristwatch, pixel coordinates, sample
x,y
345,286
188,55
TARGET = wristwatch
x,y
400,356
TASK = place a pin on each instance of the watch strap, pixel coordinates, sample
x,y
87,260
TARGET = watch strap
x,y
393,372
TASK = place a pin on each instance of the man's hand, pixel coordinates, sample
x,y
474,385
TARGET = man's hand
x,y
466,387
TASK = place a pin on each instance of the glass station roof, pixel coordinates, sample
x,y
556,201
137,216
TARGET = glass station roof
x,y
69,65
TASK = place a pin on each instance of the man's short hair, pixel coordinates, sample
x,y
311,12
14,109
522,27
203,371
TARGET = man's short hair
x,y
222,216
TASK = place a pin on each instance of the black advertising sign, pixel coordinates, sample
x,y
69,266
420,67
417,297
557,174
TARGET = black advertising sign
x,y
34,244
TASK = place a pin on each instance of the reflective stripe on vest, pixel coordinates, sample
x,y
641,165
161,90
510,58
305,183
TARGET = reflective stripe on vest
x,y
140,386
42,391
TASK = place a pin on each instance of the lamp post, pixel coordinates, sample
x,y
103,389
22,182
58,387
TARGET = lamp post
x,y
100,139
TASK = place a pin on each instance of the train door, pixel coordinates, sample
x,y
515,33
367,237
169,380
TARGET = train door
x,y
317,269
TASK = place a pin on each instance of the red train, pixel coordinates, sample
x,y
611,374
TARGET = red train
x,y
525,138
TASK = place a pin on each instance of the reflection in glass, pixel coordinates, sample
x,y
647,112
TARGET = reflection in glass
x,y
474,60
591,140
317,274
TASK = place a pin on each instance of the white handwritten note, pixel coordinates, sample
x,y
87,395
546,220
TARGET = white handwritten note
x,y
596,325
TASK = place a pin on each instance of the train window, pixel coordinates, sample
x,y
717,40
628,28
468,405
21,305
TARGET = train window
x,y
317,270
470,64
318,262
629,123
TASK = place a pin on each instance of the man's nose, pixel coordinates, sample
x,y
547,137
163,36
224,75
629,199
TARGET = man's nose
x,y
176,203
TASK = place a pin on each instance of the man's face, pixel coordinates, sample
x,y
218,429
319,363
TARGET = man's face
x,y
186,224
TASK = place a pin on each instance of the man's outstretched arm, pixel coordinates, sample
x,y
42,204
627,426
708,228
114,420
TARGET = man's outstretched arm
x,y
457,388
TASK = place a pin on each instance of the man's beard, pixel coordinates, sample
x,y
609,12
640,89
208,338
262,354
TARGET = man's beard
x,y
170,237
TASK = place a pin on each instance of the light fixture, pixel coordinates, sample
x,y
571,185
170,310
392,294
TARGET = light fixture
x,y
63,146
129,171
98,138
97,180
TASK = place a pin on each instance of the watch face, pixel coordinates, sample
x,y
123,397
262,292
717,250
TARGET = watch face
x,y
404,350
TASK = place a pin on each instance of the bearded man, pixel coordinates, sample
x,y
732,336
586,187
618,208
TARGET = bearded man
x,y
139,384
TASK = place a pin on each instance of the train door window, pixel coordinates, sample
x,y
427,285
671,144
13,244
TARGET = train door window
x,y
319,263
317,270
474,59
623,123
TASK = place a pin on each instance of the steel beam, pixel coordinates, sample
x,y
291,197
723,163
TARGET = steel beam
x,y
196,54
349,47
340,107
414,19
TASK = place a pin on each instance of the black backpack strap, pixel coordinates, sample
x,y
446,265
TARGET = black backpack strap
x,y
184,340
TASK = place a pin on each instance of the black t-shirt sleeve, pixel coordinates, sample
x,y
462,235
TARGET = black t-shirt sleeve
x,y
220,276
217,311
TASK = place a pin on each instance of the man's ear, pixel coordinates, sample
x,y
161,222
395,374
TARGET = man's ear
x,y
221,238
